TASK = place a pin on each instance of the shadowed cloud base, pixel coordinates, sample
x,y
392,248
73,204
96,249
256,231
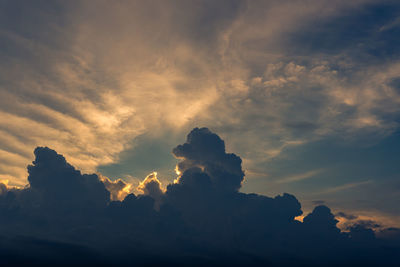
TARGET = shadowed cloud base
x,y
64,216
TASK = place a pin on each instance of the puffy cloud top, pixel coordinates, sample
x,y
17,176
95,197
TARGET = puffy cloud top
x,y
206,150
60,185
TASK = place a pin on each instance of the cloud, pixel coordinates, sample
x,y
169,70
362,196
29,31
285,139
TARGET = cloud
x,y
201,218
318,202
367,224
346,216
322,217
205,150
374,220
60,186
269,76
299,177
87,84
3,188
344,187
118,189
152,187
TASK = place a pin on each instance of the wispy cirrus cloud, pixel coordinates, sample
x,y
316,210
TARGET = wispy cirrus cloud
x,y
96,77
299,177
343,187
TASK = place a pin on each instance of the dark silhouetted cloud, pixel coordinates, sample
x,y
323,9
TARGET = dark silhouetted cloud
x,y
206,150
58,185
67,217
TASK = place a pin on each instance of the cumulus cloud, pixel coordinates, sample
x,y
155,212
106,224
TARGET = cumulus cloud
x,y
322,221
205,150
152,187
201,218
118,189
60,186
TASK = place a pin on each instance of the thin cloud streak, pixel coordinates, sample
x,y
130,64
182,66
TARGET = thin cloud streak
x,y
344,187
299,177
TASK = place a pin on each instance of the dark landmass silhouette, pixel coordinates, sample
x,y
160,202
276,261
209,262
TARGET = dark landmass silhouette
x,y
66,217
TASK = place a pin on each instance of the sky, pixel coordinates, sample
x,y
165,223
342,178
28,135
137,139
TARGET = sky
x,y
305,92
